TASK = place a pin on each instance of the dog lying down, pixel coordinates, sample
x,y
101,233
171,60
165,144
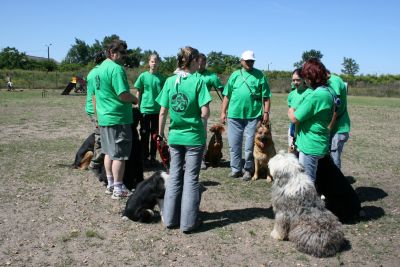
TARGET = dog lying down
x,y
300,214
150,192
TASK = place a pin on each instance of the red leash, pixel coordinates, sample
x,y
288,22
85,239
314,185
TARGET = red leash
x,y
163,149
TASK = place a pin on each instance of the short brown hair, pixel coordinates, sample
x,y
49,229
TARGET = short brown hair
x,y
314,72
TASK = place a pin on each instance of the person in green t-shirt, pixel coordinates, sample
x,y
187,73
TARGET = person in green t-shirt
x,y
295,98
114,113
148,86
340,126
98,157
186,98
211,80
246,101
313,117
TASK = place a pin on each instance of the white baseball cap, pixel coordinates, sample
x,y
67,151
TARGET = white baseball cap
x,y
248,55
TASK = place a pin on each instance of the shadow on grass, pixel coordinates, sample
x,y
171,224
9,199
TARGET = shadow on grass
x,y
370,193
226,217
371,213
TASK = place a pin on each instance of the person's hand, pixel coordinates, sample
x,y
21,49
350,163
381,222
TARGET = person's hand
x,y
266,117
223,118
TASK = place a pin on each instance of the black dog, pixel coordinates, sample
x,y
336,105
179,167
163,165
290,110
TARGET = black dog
x,y
88,145
340,197
134,165
148,193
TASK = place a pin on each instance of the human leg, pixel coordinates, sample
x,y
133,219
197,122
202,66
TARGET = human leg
x,y
310,164
249,133
173,191
337,144
153,130
191,188
235,140
145,134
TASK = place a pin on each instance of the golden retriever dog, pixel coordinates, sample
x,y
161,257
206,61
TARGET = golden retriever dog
x,y
264,150
214,150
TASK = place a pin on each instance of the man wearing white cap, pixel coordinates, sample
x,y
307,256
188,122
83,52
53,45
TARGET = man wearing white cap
x,y
246,102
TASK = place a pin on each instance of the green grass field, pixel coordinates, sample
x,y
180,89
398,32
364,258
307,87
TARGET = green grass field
x,y
57,216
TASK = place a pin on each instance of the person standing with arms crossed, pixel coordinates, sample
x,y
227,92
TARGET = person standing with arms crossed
x,y
148,86
211,80
246,102
187,99
114,112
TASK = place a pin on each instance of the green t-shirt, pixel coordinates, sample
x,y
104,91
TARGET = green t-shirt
x,y
210,79
149,85
111,81
342,124
314,116
90,90
246,100
184,101
296,97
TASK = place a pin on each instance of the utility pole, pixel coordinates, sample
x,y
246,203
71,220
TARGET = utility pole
x,y
48,51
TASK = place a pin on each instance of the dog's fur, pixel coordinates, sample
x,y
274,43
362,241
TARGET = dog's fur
x,y
148,193
214,151
85,153
263,151
300,214
340,197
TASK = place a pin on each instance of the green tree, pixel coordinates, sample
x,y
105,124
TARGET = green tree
x,y
306,56
79,53
350,66
222,63
11,58
168,66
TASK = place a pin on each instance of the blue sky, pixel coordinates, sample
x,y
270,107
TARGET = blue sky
x,y
278,31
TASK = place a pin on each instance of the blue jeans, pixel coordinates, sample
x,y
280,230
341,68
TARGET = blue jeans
x,y
182,194
337,144
237,128
310,164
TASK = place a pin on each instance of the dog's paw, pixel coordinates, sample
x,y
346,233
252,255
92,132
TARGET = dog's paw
x,y
254,178
275,235
269,179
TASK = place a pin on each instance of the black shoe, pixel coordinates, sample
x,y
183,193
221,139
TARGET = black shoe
x,y
235,174
246,176
198,224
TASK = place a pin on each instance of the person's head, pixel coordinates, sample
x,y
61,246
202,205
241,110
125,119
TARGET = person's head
x,y
100,57
188,59
314,73
247,60
202,62
154,59
116,50
297,78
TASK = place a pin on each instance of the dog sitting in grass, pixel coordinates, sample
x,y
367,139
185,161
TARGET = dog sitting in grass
x,y
264,150
300,214
214,149
84,154
148,193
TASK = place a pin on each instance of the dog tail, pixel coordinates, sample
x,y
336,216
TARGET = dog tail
x,y
319,235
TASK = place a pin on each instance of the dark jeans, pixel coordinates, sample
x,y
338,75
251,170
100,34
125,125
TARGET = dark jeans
x,y
148,127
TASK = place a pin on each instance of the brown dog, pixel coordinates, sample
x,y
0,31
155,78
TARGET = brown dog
x,y
214,151
264,150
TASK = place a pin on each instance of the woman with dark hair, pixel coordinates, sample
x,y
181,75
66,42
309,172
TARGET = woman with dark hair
x,y
312,117
186,97
295,98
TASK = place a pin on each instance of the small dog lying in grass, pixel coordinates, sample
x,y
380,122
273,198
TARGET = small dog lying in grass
x,y
300,214
264,150
148,193
85,153
214,150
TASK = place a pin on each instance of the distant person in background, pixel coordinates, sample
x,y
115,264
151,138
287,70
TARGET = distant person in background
x,y
186,98
148,86
246,102
340,126
211,80
295,98
114,113
313,117
73,82
98,157
10,85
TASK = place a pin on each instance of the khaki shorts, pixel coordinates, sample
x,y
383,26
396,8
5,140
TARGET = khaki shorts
x,y
116,141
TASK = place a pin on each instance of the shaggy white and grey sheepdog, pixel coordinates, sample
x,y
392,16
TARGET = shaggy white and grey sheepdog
x,y
300,214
